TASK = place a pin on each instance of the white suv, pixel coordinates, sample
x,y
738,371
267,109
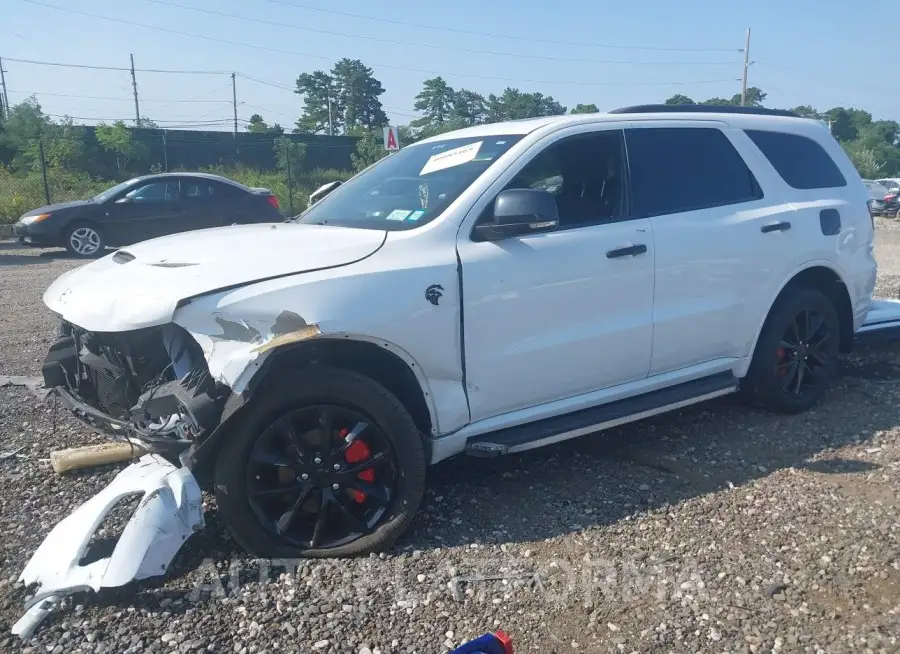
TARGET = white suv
x,y
484,292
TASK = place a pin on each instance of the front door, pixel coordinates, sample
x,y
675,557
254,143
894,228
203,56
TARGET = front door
x,y
553,315
153,209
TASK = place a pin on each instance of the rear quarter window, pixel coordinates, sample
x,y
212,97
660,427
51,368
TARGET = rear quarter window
x,y
801,162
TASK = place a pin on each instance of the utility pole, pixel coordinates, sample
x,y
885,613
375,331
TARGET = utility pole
x,y
330,124
5,97
746,66
234,102
137,108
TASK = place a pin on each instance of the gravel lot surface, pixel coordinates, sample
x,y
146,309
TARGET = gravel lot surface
x,y
714,529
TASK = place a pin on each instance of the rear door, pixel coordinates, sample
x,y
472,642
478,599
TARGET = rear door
x,y
719,247
147,211
208,203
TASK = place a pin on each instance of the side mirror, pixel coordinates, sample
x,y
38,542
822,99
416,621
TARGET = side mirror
x,y
518,212
322,191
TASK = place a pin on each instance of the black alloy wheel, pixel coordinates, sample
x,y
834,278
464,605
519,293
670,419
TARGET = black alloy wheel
x,y
802,352
796,356
321,476
322,462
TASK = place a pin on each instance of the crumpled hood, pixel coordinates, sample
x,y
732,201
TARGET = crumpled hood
x,y
141,285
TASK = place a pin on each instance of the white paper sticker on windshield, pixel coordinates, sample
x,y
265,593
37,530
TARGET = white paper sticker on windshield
x,y
398,214
415,215
450,158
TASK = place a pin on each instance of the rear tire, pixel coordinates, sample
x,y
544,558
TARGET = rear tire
x,y
293,437
796,356
84,240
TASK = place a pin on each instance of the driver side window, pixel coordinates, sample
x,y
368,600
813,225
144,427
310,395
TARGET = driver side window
x,y
155,192
585,173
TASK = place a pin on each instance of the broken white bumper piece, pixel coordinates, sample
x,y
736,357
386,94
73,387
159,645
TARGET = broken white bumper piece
x,y
170,510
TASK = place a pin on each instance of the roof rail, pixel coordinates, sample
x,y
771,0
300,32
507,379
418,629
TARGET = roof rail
x,y
702,109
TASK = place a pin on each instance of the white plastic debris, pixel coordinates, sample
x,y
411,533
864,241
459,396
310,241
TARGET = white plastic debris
x,y
170,510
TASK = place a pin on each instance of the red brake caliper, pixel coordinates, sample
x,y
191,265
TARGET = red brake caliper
x,y
780,356
356,453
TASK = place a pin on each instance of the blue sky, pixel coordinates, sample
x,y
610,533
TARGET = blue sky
x,y
804,52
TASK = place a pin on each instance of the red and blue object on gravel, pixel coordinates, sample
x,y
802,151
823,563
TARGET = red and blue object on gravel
x,y
493,643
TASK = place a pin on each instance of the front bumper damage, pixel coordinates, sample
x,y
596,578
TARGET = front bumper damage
x,y
169,511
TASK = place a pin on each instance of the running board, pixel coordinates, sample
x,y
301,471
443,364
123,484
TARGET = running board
x,y
586,421
882,323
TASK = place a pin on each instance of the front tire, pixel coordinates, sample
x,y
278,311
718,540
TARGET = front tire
x,y
84,240
796,355
326,462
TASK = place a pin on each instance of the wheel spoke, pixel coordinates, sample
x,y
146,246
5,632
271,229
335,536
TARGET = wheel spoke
x,y
355,433
292,489
806,332
357,523
321,521
787,345
378,491
815,355
296,443
790,374
287,518
815,325
271,459
801,369
377,460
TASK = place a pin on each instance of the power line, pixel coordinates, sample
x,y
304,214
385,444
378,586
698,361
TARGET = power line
x,y
388,66
119,68
495,35
108,119
100,97
408,43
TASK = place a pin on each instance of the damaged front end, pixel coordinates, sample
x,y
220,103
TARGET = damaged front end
x,y
169,511
151,386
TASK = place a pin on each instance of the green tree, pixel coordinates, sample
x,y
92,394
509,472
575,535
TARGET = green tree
x,y
435,101
256,125
146,123
64,145
585,109
842,127
116,138
369,149
358,92
21,133
806,111
755,97
514,105
469,108
322,108
290,157
679,99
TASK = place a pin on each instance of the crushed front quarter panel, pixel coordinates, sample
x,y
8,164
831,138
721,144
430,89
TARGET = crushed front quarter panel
x,y
170,510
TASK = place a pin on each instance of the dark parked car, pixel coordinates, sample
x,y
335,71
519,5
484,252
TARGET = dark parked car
x,y
143,208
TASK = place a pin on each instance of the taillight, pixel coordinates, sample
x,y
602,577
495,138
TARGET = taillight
x,y
889,197
273,201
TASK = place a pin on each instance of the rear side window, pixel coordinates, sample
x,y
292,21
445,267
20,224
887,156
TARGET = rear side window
x,y
801,162
675,169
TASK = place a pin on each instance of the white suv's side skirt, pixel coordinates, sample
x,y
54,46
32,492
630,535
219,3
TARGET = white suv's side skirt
x,y
670,389
487,448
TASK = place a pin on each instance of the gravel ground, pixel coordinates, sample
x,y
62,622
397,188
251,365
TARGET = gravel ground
x,y
715,529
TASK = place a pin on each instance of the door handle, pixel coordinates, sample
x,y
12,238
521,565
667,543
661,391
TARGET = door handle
x,y
628,251
783,226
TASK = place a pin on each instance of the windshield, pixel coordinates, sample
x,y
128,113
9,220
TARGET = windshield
x,y
411,187
115,190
